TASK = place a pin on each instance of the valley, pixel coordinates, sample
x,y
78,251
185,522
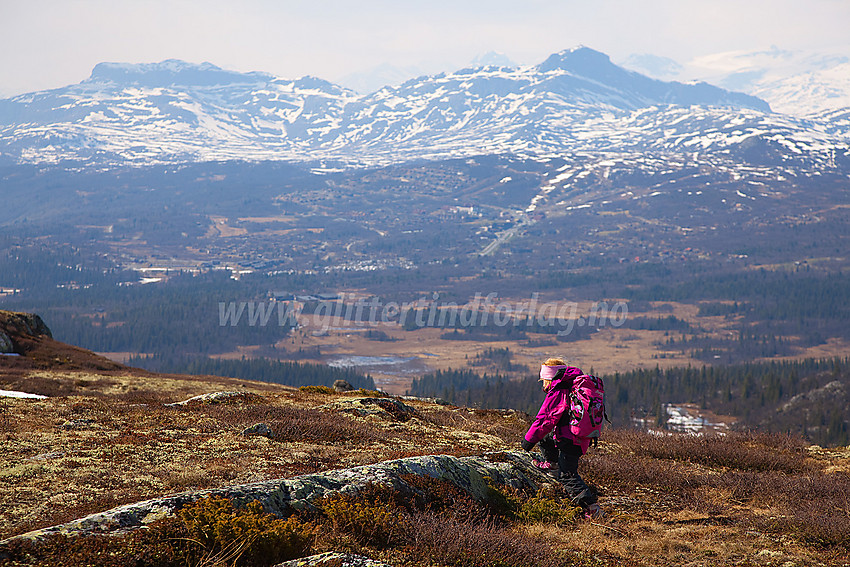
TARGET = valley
x,y
716,227
258,318
99,450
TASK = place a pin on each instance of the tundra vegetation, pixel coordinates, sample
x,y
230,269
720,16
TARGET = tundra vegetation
x,y
105,438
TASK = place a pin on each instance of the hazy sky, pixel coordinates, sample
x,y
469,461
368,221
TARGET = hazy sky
x,y
52,43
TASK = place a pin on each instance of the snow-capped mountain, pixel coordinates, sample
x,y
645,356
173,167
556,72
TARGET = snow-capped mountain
x,y
493,59
797,83
376,78
575,100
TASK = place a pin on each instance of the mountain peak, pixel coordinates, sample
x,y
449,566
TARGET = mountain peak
x,y
580,60
170,72
493,59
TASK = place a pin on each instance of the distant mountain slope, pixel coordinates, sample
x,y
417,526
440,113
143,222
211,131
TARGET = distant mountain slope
x,y
576,100
794,82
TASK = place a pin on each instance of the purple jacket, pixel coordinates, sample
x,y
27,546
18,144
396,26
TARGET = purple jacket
x,y
555,405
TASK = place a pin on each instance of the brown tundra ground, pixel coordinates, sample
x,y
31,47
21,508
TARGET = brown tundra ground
x,y
105,437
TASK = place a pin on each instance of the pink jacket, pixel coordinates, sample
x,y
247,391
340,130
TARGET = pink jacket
x,y
555,405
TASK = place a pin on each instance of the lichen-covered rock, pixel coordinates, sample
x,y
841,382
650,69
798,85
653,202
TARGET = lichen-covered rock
x,y
258,430
386,408
35,325
438,401
211,398
475,475
81,423
343,386
23,323
335,559
6,345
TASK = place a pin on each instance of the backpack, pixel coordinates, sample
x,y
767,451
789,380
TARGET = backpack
x,y
587,407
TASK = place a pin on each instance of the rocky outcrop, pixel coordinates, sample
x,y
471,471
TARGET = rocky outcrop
x,y
212,398
16,325
6,345
259,430
385,408
26,335
816,396
283,496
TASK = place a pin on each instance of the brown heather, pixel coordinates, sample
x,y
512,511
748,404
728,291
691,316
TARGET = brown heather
x,y
108,437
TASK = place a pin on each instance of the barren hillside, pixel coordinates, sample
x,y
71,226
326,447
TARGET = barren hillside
x,y
107,435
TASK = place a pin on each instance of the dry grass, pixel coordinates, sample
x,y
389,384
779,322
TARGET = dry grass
x,y
765,486
112,441
679,500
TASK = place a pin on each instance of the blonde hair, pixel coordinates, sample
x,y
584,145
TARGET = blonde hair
x,y
554,362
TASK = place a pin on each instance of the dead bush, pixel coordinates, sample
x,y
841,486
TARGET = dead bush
x,y
815,508
506,425
758,452
290,423
425,493
432,538
316,426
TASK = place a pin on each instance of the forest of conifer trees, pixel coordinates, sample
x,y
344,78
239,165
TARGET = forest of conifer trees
x,y
806,397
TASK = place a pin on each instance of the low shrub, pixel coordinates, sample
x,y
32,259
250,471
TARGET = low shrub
x,y
211,531
504,424
248,536
316,389
290,423
503,502
372,516
369,393
153,547
545,508
625,473
315,426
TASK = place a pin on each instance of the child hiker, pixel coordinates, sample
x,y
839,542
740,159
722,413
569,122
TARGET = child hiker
x,y
561,449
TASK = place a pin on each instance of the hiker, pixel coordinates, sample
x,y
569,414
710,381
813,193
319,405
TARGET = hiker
x,y
560,447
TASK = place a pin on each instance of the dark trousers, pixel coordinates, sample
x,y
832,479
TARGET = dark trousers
x,y
566,454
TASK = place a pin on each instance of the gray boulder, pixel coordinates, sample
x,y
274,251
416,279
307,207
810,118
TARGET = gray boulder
x,y
35,325
283,496
6,346
24,323
258,430
343,386
386,408
211,398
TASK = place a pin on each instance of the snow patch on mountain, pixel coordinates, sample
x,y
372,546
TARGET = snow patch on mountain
x,y
576,100
795,82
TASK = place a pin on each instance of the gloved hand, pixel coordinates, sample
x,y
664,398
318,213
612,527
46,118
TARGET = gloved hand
x,y
527,445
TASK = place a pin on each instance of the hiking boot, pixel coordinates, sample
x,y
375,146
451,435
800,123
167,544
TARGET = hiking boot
x,y
593,512
547,467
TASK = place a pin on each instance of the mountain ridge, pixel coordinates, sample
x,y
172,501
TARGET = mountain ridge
x,y
576,100
178,71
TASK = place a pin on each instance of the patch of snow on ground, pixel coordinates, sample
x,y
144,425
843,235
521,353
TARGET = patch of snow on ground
x,y
14,394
